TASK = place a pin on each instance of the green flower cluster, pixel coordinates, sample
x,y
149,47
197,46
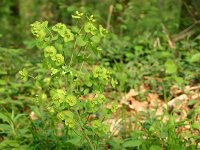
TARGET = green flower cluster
x,y
59,96
71,100
93,105
38,29
24,74
96,34
99,128
77,15
101,74
64,32
61,99
50,52
68,117
62,104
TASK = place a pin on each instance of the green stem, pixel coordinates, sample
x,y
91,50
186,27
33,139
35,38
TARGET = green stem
x,y
85,135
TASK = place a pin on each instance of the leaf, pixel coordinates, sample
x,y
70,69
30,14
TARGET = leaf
x,y
88,83
2,82
195,58
197,110
69,114
116,143
196,126
86,91
138,48
89,28
94,48
164,54
75,141
119,6
80,58
3,72
96,39
5,127
80,41
155,147
7,101
7,143
4,117
19,116
132,143
178,80
170,67
192,102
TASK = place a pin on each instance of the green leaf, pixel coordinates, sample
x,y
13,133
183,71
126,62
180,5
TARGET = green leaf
x,y
5,127
96,39
80,41
115,143
155,147
4,117
196,126
3,72
192,102
164,54
7,143
170,67
94,49
86,91
69,114
88,83
89,28
197,110
2,82
80,58
8,101
195,58
71,100
132,143
119,7
179,80
75,141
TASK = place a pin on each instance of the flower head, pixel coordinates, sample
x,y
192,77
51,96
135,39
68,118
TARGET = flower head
x,y
71,100
49,51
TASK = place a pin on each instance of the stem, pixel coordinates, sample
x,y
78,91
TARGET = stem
x,y
87,119
71,59
109,16
72,54
81,65
85,135
97,142
49,31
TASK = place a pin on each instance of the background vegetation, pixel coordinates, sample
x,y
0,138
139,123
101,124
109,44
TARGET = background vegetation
x,y
151,48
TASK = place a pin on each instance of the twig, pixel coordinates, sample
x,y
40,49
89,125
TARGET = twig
x,y
109,16
186,32
170,42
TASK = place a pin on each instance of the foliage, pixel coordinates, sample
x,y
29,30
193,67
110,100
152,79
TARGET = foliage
x,y
66,51
62,89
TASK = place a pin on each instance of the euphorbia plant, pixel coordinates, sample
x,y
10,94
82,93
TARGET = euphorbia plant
x,y
75,87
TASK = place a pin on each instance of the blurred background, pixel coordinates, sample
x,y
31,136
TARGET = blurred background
x,y
125,17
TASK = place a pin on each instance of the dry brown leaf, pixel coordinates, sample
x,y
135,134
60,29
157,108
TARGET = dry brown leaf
x,y
115,126
137,105
178,100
